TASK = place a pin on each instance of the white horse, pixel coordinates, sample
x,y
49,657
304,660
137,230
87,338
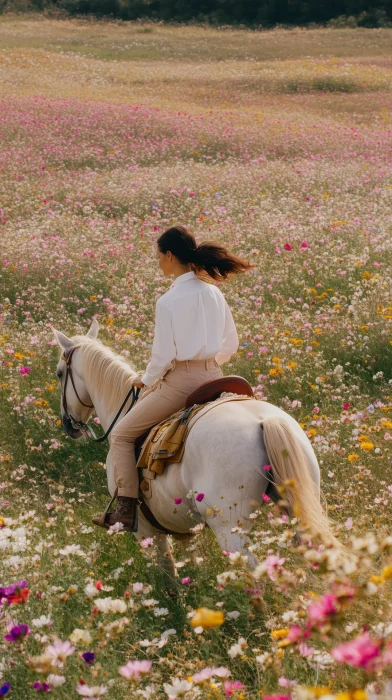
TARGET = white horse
x,y
225,454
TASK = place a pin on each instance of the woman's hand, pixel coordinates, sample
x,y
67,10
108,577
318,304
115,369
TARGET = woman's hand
x,y
137,382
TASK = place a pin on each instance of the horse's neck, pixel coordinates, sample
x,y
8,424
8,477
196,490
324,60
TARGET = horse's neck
x,y
100,402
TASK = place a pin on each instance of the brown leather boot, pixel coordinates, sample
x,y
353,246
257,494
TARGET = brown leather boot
x,y
125,513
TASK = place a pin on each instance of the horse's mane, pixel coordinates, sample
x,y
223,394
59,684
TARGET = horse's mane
x,y
103,366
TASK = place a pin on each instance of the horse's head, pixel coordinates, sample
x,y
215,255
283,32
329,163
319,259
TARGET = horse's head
x,y
75,405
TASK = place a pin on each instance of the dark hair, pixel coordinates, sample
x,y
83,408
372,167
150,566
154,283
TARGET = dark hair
x,y
209,256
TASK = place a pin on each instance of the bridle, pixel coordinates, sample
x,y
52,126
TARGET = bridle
x,y
78,425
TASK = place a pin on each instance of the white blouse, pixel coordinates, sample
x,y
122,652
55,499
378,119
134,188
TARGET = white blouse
x,y
192,322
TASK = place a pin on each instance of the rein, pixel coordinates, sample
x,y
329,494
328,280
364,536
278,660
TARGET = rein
x,y
84,427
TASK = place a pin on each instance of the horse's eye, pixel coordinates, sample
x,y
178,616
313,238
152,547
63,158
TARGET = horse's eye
x,y
59,373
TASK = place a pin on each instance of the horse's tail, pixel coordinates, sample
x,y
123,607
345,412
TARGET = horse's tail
x,y
292,477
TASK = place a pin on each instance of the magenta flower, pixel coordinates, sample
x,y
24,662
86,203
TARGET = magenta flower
x,y
265,498
17,633
321,609
177,501
199,497
287,246
24,370
267,467
276,697
231,686
359,652
41,687
186,581
304,244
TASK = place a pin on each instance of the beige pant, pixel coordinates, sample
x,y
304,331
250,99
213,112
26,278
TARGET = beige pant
x,y
154,405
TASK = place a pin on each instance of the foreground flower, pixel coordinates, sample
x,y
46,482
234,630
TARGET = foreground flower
x,y
16,633
359,652
59,651
206,618
135,669
177,688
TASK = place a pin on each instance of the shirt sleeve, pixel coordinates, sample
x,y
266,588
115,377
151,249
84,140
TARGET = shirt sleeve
x,y
163,348
230,340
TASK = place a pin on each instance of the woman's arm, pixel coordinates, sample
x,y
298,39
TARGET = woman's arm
x,y
163,347
230,340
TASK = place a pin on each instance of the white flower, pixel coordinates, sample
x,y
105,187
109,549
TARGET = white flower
x,y
147,692
233,615
178,688
237,649
81,637
72,549
55,681
43,621
91,590
107,605
150,602
93,692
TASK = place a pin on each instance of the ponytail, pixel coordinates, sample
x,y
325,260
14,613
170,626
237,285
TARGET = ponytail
x,y
208,257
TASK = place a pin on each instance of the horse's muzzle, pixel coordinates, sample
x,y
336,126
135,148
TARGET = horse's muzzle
x,y
73,433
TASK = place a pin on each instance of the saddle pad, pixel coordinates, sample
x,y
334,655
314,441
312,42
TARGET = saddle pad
x,y
165,443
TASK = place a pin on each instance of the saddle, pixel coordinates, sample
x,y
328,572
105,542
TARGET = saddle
x,y
165,442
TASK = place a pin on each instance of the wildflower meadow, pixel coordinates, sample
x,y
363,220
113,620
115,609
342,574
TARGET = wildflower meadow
x,y
278,144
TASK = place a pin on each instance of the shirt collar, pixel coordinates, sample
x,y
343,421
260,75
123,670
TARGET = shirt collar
x,y
184,278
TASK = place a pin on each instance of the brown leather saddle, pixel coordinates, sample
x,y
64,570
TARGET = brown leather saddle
x,y
208,391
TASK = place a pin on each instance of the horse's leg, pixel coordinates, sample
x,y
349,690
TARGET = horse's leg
x,y
166,563
232,541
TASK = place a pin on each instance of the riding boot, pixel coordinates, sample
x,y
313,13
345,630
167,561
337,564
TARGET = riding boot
x,y
125,513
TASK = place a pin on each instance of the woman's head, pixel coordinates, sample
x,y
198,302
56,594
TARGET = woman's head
x,y
177,248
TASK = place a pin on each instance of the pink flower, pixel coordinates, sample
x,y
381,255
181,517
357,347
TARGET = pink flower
x,y
186,581
249,354
24,370
267,467
147,542
199,497
346,405
304,244
359,652
135,669
322,608
177,501
266,498
276,697
231,686
287,246
297,633
274,564
286,683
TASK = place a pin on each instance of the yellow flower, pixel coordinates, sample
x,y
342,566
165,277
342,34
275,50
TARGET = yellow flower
x,y
387,572
312,432
319,690
206,618
276,360
292,365
2,521
353,457
357,694
367,445
296,341
280,634
377,579
18,355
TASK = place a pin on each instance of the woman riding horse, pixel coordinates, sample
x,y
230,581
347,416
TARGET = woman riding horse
x,y
194,334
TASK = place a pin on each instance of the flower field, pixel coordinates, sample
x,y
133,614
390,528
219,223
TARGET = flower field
x,y
278,144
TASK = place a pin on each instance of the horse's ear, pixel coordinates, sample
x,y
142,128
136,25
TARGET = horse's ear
x,y
64,342
94,328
